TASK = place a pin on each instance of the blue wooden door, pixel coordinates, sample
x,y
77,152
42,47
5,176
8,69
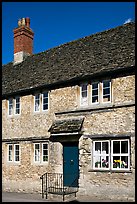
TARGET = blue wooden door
x,y
70,164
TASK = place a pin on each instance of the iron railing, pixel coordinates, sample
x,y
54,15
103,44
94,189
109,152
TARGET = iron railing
x,y
54,183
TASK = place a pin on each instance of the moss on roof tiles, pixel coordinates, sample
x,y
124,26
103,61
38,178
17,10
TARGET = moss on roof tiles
x,y
106,50
66,125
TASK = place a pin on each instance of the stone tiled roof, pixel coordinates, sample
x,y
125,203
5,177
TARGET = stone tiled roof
x,y
66,125
104,51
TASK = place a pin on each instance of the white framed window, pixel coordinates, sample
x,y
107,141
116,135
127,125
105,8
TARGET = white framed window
x,y
37,103
13,153
41,152
120,155
17,105
106,91
95,93
37,152
45,152
84,94
111,154
45,101
10,153
101,154
10,106
16,153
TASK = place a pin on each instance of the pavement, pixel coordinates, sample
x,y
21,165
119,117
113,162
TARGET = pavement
x,y
28,197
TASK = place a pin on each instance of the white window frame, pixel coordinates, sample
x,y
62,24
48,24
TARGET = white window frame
x,y
10,99
94,103
81,103
111,155
35,102
120,154
13,153
109,93
101,154
10,153
43,100
37,161
17,97
47,151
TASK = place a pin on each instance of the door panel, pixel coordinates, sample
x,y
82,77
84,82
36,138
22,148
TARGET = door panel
x,y
70,164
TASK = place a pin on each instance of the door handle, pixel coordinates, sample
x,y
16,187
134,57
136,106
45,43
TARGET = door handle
x,y
71,161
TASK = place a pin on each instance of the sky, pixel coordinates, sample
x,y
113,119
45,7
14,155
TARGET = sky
x,y
56,23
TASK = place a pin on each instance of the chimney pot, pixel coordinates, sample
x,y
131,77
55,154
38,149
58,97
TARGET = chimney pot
x,y
19,22
23,22
28,22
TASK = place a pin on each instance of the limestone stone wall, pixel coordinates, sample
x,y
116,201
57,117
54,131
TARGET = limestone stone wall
x,y
26,175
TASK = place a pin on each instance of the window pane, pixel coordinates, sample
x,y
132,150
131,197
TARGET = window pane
x,y
16,152
105,162
116,162
94,92
98,146
10,153
97,161
37,152
45,152
10,106
45,106
124,162
84,87
84,94
45,95
94,99
95,86
37,102
45,101
106,83
105,147
124,146
106,91
116,147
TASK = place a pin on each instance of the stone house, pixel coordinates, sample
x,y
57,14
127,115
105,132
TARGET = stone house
x,y
71,110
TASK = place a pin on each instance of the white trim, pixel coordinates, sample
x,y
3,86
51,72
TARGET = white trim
x,y
101,154
12,107
42,100
111,154
120,154
19,105
47,154
11,153
86,103
34,152
15,154
35,101
108,87
95,103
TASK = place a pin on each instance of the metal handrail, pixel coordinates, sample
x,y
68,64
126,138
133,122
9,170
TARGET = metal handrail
x,y
54,183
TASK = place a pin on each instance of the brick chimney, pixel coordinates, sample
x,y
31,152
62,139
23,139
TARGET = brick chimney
x,y
23,40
